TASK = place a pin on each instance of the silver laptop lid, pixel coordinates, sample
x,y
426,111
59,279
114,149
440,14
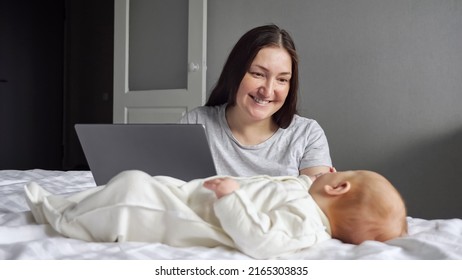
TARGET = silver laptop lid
x,y
176,150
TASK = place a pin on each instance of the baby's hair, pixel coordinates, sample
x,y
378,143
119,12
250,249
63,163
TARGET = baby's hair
x,y
364,213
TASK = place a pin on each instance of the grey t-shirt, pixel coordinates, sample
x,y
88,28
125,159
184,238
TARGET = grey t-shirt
x,y
303,144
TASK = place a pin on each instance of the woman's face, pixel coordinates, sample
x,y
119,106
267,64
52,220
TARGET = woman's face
x,y
265,85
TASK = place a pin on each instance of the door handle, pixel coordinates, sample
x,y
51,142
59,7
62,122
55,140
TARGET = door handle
x,y
193,67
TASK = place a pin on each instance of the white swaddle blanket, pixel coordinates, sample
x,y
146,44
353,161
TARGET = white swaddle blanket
x,y
265,218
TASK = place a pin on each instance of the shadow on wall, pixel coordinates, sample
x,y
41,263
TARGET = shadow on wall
x,y
428,175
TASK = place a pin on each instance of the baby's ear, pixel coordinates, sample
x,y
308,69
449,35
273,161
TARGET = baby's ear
x,y
339,189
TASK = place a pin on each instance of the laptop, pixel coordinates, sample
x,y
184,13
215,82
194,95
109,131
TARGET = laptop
x,y
177,150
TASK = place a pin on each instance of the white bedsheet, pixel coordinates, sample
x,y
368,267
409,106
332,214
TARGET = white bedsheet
x,y
22,238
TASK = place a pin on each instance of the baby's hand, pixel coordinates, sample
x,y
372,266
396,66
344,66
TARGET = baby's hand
x,y
222,186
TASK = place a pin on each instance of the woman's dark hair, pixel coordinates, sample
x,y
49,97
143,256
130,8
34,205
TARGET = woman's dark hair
x,y
239,61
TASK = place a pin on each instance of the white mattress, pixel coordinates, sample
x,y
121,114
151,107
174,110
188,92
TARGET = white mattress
x,y
22,238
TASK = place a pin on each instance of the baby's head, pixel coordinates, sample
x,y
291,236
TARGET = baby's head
x,y
360,205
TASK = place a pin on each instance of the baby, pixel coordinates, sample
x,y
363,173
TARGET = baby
x,y
359,205
262,216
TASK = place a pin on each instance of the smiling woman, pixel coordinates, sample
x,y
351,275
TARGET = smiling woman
x,y
251,115
262,92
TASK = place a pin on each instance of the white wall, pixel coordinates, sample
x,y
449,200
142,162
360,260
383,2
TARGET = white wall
x,y
383,78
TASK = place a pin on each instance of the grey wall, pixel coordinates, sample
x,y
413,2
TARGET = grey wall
x,y
383,78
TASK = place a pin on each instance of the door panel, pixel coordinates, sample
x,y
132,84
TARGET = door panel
x,y
157,44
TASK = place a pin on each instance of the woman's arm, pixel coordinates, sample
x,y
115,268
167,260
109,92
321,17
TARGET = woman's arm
x,y
315,171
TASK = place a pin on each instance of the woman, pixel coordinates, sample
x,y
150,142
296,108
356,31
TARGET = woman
x,y
250,116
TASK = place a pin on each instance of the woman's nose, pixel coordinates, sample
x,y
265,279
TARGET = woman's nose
x,y
266,90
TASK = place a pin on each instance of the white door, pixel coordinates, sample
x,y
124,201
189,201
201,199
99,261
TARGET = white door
x,y
159,59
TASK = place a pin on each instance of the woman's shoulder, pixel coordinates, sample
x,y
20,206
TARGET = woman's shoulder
x,y
201,113
203,110
303,127
300,122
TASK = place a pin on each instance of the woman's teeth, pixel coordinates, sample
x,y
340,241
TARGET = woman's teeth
x,y
260,101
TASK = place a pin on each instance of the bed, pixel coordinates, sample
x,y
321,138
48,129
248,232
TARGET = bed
x,y
22,238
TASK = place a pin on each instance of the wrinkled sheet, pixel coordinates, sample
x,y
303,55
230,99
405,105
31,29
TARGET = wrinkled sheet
x,y
22,238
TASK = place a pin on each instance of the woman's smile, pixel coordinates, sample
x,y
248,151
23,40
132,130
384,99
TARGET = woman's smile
x,y
259,100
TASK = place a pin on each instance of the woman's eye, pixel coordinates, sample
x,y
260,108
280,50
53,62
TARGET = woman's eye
x,y
257,74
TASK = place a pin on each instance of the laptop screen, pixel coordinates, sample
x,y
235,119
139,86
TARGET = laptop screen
x,y
176,150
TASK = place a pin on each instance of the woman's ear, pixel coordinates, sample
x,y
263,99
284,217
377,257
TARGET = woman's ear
x,y
339,189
